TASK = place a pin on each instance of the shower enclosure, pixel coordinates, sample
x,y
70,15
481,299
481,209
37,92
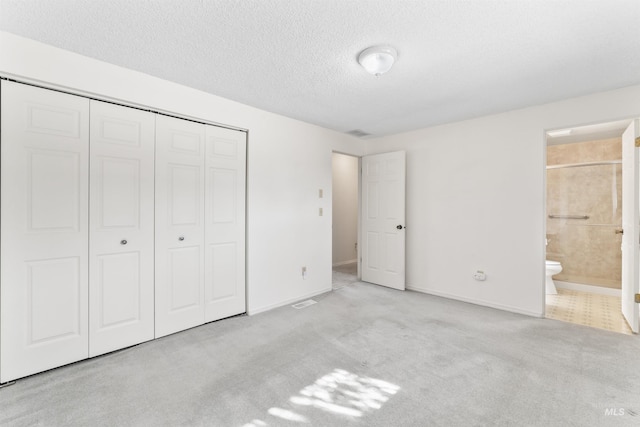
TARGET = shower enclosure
x,y
584,217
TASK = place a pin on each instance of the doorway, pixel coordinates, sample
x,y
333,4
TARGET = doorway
x,y
345,201
584,205
369,218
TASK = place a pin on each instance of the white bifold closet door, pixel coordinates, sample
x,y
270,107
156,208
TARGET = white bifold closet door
x,y
86,268
121,237
180,181
225,223
200,224
44,228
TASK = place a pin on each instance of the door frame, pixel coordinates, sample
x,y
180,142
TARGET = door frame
x,y
544,188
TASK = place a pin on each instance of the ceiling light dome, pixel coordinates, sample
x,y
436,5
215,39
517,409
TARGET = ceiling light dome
x,y
377,59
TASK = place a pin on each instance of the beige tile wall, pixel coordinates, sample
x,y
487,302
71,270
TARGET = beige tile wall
x,y
589,250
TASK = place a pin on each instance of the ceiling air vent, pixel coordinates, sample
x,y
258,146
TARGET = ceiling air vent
x,y
359,133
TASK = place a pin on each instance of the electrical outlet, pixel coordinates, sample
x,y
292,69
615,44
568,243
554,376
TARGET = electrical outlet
x,y
304,272
480,276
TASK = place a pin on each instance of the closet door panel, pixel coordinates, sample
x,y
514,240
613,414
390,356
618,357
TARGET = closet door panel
x,y
44,230
185,196
225,223
121,249
53,298
118,288
223,280
53,203
184,279
180,174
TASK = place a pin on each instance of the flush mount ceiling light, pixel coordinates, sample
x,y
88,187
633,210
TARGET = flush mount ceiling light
x,y
377,60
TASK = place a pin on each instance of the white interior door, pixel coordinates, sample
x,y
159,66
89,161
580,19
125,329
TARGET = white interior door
x,y
225,223
180,181
44,215
383,219
630,225
121,227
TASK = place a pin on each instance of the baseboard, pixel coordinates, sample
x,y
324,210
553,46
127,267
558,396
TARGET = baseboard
x,y
588,288
475,301
338,264
287,302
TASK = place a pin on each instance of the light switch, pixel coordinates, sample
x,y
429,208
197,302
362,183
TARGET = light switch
x,y
320,211
320,193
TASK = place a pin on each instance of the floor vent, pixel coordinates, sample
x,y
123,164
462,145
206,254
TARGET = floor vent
x,y
303,304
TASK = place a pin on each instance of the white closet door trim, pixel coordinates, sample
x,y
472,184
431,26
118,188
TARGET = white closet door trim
x,y
111,100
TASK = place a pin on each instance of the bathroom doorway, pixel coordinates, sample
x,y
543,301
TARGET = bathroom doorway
x,y
584,200
345,206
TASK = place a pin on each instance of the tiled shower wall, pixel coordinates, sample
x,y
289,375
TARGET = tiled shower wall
x,y
589,249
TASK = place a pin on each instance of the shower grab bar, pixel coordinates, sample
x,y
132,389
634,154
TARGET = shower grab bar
x,y
577,165
569,216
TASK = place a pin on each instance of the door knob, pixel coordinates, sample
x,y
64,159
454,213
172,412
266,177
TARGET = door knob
x,y
123,242
181,238
399,227
620,231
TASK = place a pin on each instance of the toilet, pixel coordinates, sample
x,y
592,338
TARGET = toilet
x,y
552,268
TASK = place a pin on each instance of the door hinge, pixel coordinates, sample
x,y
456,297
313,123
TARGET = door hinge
x,y
638,141
637,298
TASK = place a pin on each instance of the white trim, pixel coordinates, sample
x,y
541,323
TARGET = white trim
x,y
588,288
475,301
351,261
287,302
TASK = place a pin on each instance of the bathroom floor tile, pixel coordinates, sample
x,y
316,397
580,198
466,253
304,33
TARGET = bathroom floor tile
x,y
583,308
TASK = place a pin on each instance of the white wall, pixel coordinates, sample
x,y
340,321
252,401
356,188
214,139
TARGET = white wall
x,y
288,161
476,194
345,208
475,189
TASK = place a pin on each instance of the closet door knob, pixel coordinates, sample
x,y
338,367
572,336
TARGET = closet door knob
x,y
123,242
181,238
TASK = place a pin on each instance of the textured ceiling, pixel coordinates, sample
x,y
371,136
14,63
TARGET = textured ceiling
x,y
456,59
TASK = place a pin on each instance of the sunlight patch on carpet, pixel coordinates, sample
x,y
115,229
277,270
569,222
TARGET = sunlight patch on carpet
x,y
340,393
344,393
